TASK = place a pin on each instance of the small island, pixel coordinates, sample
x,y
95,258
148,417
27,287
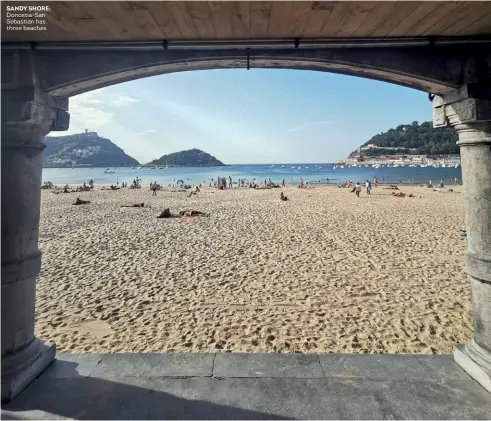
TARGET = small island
x,y
189,158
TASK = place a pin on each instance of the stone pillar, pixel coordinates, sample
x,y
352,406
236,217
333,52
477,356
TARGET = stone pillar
x,y
471,117
28,115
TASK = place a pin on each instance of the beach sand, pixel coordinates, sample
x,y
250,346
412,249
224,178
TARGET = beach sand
x,y
323,272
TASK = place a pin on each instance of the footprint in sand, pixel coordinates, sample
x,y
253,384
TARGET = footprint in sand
x,y
96,328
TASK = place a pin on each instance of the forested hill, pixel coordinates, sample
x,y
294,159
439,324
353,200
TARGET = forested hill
x,y
189,158
413,139
84,149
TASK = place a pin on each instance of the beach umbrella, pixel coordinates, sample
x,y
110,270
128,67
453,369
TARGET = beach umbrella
x,y
180,181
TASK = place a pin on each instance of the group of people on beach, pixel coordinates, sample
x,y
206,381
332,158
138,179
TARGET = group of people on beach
x,y
357,188
154,187
223,183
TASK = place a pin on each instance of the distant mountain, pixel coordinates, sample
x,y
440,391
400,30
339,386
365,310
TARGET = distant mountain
x,y
189,158
84,149
412,139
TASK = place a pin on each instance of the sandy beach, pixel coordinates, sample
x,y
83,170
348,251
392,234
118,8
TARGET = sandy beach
x,y
323,272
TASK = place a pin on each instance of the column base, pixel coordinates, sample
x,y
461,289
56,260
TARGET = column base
x,y
22,367
480,373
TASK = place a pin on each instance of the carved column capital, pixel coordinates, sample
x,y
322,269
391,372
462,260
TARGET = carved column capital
x,y
28,115
469,105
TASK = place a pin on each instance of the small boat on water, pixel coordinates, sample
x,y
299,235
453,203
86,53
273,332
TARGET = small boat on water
x,y
282,166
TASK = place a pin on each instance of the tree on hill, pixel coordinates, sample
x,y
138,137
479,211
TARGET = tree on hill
x,y
189,158
415,139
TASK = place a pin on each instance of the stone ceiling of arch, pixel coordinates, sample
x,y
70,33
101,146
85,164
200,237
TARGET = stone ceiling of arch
x,y
201,20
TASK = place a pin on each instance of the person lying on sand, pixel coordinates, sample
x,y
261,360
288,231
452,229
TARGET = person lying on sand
x,y
135,205
401,194
189,213
192,213
283,197
165,214
81,202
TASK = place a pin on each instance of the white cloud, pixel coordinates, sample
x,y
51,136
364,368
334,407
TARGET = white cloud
x,y
122,100
308,125
91,110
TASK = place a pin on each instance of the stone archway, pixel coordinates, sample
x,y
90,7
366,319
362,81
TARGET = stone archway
x,y
37,83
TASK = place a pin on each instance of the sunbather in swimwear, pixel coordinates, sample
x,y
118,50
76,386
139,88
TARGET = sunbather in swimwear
x,y
135,205
192,213
81,202
165,214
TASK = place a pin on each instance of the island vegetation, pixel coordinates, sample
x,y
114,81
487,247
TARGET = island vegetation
x,y
84,149
189,158
412,139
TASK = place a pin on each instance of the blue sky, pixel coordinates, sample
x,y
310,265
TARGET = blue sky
x,y
247,117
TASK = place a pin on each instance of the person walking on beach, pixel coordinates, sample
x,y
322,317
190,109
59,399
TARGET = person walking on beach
x,y
375,181
283,183
154,188
358,189
368,185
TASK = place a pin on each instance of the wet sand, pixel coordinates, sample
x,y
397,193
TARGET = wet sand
x,y
324,271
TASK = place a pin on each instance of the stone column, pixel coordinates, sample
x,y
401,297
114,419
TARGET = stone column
x,y
28,115
471,117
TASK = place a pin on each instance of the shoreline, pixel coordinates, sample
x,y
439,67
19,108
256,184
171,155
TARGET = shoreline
x,y
98,187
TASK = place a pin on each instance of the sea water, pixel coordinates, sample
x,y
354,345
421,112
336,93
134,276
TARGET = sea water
x,y
291,173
